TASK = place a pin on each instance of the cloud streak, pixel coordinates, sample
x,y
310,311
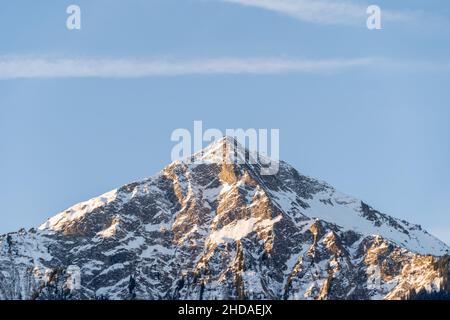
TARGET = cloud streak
x,y
30,68
329,12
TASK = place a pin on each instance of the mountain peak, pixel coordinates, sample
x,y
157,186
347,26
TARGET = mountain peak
x,y
225,150
231,150
226,231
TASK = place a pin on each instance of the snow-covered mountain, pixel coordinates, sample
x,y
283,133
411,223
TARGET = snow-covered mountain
x,y
218,230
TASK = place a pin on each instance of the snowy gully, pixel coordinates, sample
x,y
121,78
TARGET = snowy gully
x,y
226,310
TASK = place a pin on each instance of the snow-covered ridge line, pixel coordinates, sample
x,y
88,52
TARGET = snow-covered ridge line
x,y
78,211
223,231
328,205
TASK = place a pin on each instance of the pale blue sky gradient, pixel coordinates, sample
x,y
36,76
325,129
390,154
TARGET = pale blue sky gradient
x,y
380,134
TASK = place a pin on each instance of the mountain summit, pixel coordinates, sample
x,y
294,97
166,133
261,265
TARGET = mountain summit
x,y
215,229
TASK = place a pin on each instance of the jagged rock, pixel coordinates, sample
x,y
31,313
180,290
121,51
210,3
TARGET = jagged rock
x,y
219,230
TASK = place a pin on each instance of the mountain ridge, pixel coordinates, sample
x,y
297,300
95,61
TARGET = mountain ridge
x,y
217,229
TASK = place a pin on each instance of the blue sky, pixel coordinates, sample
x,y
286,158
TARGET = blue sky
x,y
83,112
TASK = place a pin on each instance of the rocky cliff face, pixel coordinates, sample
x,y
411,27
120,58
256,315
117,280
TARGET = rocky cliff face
x,y
219,230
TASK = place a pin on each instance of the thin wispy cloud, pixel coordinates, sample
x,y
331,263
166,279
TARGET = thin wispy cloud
x,y
331,12
26,67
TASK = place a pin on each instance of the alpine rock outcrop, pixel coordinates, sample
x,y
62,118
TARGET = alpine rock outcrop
x,y
211,229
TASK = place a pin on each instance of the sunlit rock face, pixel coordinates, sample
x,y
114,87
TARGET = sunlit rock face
x,y
214,229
